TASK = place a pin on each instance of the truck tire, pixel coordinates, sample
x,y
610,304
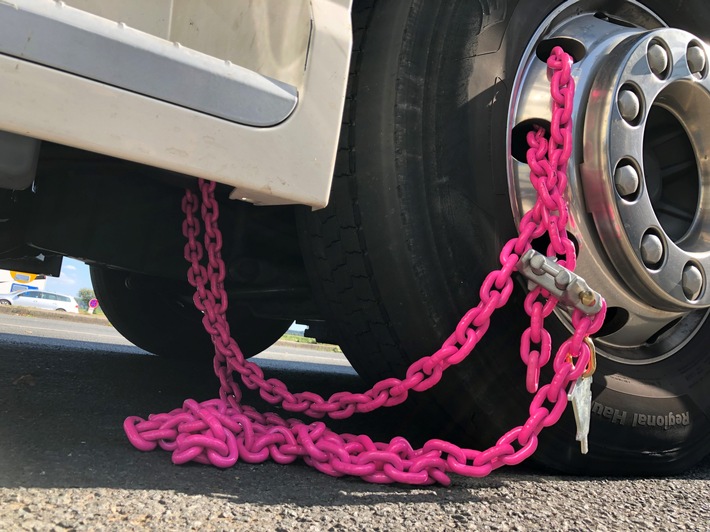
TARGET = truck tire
x,y
420,209
165,321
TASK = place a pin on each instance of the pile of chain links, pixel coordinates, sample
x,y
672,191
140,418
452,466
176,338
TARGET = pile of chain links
x,y
222,431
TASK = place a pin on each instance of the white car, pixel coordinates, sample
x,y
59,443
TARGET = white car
x,y
41,300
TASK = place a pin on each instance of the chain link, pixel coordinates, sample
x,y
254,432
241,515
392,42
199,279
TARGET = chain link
x,y
222,431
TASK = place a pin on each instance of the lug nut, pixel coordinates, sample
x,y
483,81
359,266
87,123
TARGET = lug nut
x,y
629,105
651,250
658,59
692,282
627,180
696,59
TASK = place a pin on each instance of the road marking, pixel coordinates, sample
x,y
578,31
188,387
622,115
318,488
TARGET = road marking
x,y
294,357
63,331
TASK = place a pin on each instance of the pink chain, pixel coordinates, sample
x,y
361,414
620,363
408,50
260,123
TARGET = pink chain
x,y
221,431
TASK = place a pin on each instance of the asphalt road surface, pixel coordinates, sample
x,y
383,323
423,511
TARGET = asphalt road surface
x,y
65,464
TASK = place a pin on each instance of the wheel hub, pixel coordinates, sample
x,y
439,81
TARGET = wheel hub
x,y
652,92
639,176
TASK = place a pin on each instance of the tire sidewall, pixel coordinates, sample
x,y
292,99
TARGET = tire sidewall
x,y
423,221
654,413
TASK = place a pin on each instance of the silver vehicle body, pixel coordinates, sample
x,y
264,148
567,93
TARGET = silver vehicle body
x,y
40,299
248,93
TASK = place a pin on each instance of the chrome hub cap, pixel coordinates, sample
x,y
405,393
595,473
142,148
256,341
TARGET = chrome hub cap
x,y
639,174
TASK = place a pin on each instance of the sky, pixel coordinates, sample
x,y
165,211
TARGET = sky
x,y
74,276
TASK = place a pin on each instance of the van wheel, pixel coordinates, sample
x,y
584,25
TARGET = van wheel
x,y
165,322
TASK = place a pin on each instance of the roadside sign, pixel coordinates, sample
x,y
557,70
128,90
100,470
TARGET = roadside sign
x,y
93,303
15,287
22,277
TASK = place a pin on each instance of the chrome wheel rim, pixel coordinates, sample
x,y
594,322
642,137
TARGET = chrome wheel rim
x,y
639,177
